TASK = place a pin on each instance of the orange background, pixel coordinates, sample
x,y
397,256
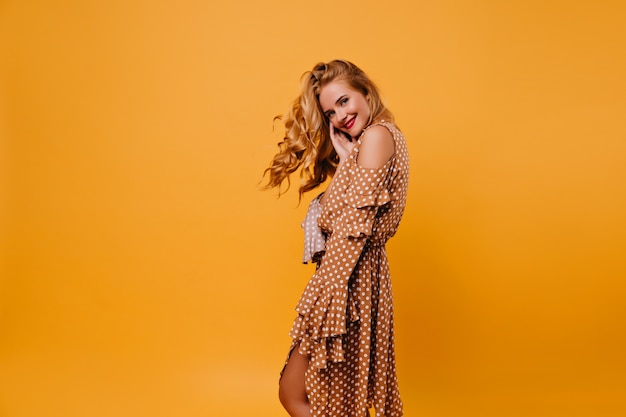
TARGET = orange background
x,y
145,274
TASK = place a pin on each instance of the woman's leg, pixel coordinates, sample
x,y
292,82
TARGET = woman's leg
x,y
291,390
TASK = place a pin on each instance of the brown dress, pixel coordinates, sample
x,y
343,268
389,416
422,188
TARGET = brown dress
x,y
345,315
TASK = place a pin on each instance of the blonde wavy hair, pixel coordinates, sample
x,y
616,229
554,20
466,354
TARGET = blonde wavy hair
x,y
306,144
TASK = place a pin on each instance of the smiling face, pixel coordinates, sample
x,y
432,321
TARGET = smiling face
x,y
346,108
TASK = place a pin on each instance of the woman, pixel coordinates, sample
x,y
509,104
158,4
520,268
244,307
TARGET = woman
x,y
341,361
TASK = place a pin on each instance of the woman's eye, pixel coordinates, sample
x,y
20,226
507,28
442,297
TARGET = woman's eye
x,y
330,114
344,101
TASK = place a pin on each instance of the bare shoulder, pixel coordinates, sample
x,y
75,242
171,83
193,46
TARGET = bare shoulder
x,y
377,147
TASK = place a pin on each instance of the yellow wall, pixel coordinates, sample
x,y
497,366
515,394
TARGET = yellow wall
x,y
144,274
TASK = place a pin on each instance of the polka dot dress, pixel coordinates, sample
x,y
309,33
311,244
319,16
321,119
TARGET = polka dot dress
x,y
345,315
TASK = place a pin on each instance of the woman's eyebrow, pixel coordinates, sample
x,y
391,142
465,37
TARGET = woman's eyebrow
x,y
336,102
340,98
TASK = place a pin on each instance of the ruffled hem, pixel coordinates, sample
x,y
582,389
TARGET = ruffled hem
x,y
325,308
321,350
321,346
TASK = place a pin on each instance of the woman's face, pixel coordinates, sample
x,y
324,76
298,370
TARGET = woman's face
x,y
346,109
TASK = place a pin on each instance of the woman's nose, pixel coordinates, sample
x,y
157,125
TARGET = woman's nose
x,y
340,114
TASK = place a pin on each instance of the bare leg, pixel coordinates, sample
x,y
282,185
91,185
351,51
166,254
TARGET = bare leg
x,y
291,390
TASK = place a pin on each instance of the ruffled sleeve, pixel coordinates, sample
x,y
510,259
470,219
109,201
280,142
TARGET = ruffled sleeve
x,y
366,194
314,238
323,310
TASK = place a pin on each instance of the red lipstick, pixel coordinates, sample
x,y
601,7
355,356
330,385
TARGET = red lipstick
x,y
348,125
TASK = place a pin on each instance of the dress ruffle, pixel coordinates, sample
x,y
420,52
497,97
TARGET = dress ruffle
x,y
323,313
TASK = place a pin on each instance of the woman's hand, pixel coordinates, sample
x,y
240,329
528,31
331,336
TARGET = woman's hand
x,y
343,146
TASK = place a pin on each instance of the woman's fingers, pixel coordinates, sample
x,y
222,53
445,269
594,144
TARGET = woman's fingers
x,y
340,142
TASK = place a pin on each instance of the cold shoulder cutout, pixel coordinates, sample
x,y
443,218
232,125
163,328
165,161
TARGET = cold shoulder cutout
x,y
376,146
